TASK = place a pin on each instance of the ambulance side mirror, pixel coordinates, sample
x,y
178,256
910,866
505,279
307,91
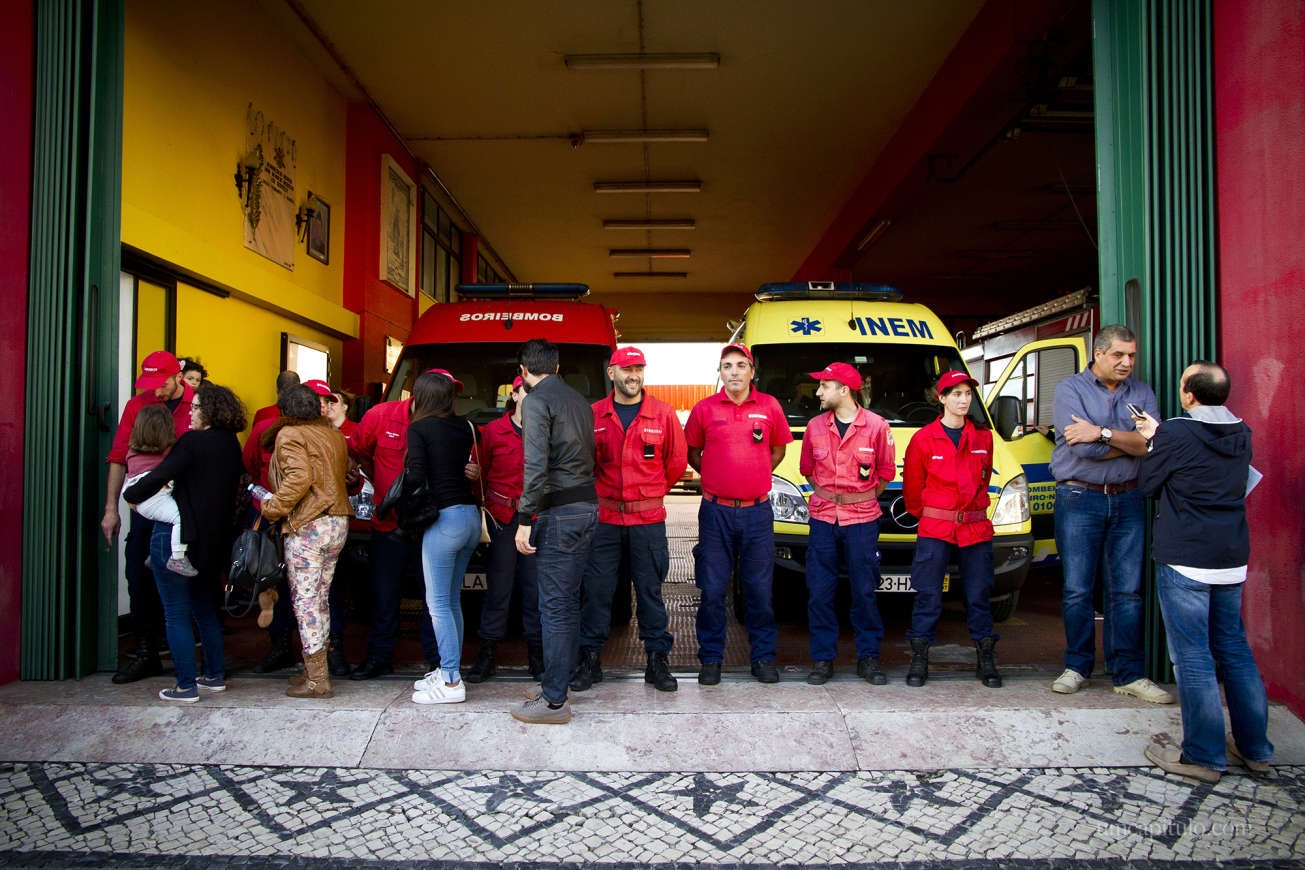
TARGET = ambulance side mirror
x,y
1006,416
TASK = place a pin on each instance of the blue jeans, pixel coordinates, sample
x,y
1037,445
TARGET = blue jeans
x,y
858,544
185,598
446,548
1206,635
927,569
507,567
1089,523
391,556
650,560
562,536
728,536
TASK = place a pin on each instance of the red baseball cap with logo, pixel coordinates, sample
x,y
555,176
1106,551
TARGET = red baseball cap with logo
x,y
156,369
321,388
740,348
457,383
841,372
951,379
628,356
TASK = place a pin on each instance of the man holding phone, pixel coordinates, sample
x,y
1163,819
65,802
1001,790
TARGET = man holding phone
x,y
1099,510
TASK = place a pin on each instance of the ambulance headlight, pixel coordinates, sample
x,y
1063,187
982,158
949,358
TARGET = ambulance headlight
x,y
786,501
1013,506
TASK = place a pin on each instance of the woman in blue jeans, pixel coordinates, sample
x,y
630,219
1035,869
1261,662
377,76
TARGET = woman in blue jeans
x,y
204,467
439,448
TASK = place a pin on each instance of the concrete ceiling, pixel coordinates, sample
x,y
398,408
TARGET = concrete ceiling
x,y
805,98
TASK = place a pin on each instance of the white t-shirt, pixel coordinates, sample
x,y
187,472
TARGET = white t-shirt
x,y
1213,576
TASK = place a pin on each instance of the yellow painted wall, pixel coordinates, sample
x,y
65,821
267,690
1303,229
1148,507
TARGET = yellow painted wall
x,y
190,71
239,343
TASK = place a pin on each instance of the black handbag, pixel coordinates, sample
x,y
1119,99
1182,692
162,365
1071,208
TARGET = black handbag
x,y
417,510
390,500
257,564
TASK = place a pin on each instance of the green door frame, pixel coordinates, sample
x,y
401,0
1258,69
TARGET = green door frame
x,y
69,603
1153,74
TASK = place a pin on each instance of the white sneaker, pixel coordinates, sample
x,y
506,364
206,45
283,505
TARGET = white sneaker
x,y
441,693
1069,682
1146,690
425,683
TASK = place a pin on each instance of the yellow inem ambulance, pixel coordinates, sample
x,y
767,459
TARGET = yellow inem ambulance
x,y
900,349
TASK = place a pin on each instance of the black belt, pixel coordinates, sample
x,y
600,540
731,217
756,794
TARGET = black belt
x,y
1107,488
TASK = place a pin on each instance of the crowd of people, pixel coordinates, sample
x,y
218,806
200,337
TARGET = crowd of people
x,y
560,489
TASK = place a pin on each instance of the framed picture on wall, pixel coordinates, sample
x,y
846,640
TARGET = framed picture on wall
x,y
398,226
319,230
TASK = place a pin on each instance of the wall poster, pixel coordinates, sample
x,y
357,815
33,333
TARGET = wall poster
x,y
269,204
398,226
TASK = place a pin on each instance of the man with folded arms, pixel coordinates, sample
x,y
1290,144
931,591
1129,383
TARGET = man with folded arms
x,y
1100,510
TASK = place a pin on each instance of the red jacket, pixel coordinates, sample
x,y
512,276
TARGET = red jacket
x,y
855,463
255,457
382,439
639,464
271,412
939,475
500,457
180,420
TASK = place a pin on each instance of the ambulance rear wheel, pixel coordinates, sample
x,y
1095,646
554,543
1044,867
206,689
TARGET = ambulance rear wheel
x,y
1004,608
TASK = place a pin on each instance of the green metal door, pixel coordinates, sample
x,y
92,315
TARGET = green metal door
x,y
69,587
1156,199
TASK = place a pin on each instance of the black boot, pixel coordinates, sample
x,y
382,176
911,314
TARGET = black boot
x,y
142,663
484,667
868,669
588,671
279,656
918,672
335,660
659,673
535,659
986,666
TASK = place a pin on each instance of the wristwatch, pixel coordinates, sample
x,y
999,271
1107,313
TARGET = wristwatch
x,y
1106,435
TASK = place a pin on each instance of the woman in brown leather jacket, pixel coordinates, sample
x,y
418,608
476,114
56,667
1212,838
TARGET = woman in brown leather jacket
x,y
307,476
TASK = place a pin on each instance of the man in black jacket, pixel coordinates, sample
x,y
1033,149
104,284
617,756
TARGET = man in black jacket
x,y
1198,465
556,516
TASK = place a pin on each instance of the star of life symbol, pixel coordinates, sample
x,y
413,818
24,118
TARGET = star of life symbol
x,y
806,326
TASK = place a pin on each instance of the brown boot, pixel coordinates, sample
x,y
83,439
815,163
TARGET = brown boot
x,y
318,682
266,601
299,679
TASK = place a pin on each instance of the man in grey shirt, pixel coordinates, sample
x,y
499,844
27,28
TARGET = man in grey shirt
x,y
1100,509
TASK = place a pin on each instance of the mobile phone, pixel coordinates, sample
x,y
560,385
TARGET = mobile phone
x,y
1136,410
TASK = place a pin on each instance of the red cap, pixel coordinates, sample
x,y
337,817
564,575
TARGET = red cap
x,y
628,356
321,388
156,369
741,348
841,372
517,382
457,383
951,379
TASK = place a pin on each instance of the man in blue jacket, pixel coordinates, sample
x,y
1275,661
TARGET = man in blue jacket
x,y
1198,466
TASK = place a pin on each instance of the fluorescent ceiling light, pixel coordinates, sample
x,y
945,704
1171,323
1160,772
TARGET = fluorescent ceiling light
x,y
701,60
655,253
874,234
654,224
627,137
650,274
687,186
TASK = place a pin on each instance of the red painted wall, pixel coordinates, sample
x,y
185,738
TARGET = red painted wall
x,y
15,221
382,309
1259,74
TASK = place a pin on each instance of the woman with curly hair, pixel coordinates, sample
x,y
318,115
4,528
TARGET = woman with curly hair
x,y
309,461
204,467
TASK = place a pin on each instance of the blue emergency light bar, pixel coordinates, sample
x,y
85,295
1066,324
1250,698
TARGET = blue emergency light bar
x,y
857,291
522,291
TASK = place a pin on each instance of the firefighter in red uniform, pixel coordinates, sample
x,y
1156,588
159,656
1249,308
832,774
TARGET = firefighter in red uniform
x,y
849,458
945,484
501,458
640,454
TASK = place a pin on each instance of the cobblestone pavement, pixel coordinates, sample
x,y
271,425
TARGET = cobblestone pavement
x,y
57,814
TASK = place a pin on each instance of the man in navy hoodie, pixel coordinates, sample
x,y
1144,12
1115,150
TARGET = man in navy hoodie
x,y
1198,466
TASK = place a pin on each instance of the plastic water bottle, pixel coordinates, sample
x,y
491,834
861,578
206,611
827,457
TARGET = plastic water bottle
x,y
259,493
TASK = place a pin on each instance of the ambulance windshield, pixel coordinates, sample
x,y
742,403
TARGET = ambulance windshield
x,y
898,378
486,370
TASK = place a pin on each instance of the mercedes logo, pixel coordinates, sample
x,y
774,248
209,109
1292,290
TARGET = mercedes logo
x,y
905,519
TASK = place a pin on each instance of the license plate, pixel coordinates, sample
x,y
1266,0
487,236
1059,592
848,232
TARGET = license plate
x,y
902,583
474,581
